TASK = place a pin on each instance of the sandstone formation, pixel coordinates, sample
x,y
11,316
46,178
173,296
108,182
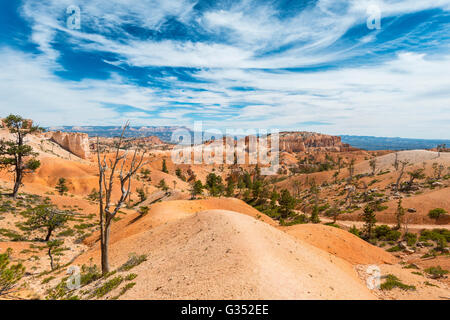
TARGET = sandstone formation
x,y
148,141
309,141
74,142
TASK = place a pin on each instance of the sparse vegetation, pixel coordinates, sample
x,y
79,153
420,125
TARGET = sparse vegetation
x,y
108,286
392,282
46,217
436,272
10,274
437,213
133,261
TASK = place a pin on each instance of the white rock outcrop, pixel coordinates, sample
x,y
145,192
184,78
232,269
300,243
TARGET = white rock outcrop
x,y
74,142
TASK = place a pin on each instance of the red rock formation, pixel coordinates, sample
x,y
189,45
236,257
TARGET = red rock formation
x,y
300,142
148,141
308,141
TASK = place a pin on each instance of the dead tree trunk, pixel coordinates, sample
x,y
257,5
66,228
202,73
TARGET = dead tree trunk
x,y
107,211
402,171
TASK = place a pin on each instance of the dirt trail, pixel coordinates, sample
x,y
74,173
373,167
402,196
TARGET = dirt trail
x,y
220,254
412,227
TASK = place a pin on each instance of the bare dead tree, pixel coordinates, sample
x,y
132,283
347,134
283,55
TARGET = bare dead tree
x,y
339,164
351,169
350,191
396,162
403,165
373,165
108,210
362,185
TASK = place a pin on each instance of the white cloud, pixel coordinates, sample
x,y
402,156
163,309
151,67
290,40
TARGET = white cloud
x,y
407,96
28,87
251,28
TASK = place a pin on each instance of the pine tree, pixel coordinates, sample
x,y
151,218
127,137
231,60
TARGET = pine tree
x,y
179,174
54,248
164,167
315,214
13,153
61,186
369,218
229,191
162,185
274,196
141,194
214,184
287,203
46,217
437,213
197,189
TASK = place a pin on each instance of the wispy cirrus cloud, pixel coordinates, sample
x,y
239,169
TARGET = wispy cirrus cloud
x,y
312,66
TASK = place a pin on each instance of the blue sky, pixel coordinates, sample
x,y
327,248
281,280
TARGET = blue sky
x,y
293,65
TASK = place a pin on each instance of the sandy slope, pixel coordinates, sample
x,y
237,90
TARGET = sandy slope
x,y
197,251
340,243
414,157
422,203
220,254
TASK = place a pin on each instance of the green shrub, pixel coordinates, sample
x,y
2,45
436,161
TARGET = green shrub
x,y
127,287
66,233
58,292
47,280
394,282
410,238
9,274
436,272
331,224
430,284
143,210
131,276
354,230
133,261
394,249
108,286
89,274
393,235
437,213
382,231
439,236
299,219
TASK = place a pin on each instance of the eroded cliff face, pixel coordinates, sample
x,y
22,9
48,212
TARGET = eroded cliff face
x,y
309,141
74,142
